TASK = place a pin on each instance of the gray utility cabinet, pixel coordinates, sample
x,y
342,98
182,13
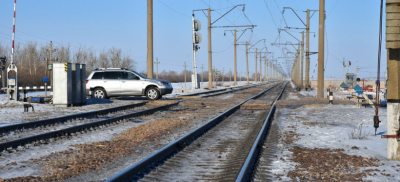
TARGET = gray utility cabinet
x,y
69,84
351,79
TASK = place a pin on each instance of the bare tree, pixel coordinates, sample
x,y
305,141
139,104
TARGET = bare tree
x,y
63,53
104,62
92,62
114,56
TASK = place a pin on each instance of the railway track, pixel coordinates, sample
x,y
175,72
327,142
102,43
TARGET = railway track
x,y
34,133
217,92
200,110
215,151
45,137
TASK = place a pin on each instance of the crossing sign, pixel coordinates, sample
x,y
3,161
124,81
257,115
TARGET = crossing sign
x,y
358,89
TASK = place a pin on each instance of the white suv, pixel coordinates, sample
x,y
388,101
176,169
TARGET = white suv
x,y
109,82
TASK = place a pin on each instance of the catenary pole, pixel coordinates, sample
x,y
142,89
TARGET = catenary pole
x,y
255,73
247,63
320,91
307,85
235,66
150,38
393,88
210,80
302,59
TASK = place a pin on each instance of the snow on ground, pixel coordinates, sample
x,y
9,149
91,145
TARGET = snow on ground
x,y
333,127
12,112
337,126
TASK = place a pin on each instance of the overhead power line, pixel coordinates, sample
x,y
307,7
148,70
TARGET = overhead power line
x,y
173,9
273,19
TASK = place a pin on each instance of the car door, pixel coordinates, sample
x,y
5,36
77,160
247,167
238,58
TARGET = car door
x,y
111,83
131,84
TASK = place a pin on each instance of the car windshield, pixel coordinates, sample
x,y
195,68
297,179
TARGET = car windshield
x,y
140,75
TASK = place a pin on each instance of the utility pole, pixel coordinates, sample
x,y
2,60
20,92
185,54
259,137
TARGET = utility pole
x,y
157,62
247,63
210,78
393,70
185,75
321,41
150,38
202,81
230,77
299,66
255,74
302,59
308,51
235,67
51,62
260,68
223,76
213,75
265,69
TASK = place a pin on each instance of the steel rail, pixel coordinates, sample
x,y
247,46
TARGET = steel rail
x,y
205,92
62,119
138,169
78,128
232,90
219,90
247,168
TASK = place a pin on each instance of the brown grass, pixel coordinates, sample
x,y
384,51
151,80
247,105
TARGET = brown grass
x,y
88,157
329,165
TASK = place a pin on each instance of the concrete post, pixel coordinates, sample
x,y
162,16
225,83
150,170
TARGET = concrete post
x,y
393,66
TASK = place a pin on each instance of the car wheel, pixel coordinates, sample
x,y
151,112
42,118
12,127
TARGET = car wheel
x,y
152,93
100,93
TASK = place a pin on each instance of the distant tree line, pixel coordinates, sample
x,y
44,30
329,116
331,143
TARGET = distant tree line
x,y
174,76
31,59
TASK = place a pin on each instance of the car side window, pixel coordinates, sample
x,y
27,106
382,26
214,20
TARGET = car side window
x,y
111,75
98,75
129,76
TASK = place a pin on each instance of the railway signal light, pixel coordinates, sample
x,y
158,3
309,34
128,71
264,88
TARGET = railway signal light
x,y
3,60
196,25
197,38
196,35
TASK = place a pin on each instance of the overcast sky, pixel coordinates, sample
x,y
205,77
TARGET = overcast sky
x,y
352,29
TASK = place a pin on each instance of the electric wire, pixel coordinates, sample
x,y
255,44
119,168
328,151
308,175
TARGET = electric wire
x,y
173,9
333,7
273,19
376,117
